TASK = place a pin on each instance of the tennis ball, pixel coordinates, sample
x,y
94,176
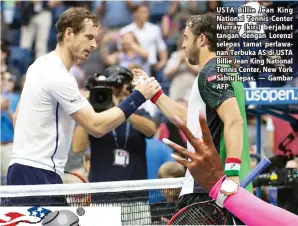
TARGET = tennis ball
x,y
61,218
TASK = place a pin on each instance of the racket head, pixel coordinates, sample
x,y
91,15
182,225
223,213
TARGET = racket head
x,y
200,213
73,177
76,200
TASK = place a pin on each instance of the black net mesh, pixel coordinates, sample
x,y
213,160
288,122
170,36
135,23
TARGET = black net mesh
x,y
138,207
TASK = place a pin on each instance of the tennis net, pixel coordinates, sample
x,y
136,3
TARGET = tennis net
x,y
142,202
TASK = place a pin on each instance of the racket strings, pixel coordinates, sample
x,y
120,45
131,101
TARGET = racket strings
x,y
205,213
78,199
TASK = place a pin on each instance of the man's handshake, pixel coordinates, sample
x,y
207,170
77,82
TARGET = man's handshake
x,y
148,87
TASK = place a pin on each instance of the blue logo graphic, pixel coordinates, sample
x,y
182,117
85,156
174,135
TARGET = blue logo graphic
x,y
268,96
45,216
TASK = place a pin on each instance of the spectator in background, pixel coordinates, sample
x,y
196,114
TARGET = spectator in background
x,y
157,153
36,19
114,14
5,67
149,36
85,4
9,102
162,212
181,72
174,22
131,53
5,30
120,154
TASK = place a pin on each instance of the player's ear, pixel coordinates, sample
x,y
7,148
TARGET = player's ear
x,y
68,33
203,39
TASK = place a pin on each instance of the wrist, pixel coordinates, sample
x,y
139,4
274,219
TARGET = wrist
x,y
132,103
232,167
227,188
216,188
156,96
130,118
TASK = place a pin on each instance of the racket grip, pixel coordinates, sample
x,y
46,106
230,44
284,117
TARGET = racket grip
x,y
255,172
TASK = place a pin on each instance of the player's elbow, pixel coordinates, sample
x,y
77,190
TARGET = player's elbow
x,y
235,122
98,135
96,130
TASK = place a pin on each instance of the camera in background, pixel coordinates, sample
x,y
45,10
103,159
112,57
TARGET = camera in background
x,y
101,86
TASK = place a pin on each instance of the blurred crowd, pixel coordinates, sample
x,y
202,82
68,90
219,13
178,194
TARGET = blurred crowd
x,y
132,34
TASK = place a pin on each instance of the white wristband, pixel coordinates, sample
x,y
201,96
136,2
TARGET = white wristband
x,y
227,188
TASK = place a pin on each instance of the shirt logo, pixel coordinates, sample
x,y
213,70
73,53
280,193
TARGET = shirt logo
x,y
71,101
133,104
211,78
232,166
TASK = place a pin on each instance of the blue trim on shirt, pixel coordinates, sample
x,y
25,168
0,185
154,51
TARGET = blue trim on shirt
x,y
57,137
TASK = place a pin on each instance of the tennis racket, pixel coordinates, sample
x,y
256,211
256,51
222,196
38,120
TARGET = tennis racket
x,y
73,177
207,212
76,200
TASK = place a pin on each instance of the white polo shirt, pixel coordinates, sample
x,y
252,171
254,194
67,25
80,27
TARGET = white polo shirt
x,y
149,37
44,127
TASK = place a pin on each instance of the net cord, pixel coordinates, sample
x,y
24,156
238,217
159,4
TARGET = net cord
x,y
89,188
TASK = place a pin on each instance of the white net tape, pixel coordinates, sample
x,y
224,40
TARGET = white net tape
x,y
137,206
89,188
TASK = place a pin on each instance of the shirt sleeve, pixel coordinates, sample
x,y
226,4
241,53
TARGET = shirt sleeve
x,y
213,89
66,92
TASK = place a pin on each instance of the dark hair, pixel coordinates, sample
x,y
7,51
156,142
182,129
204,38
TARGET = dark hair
x,y
74,18
5,49
139,6
204,24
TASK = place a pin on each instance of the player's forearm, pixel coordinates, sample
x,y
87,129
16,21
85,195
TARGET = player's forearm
x,y
80,140
170,109
233,135
264,213
143,125
106,121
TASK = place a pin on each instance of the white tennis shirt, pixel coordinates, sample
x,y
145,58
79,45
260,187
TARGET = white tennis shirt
x,y
44,127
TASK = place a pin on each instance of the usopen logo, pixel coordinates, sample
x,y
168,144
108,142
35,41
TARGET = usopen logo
x,y
41,216
271,95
